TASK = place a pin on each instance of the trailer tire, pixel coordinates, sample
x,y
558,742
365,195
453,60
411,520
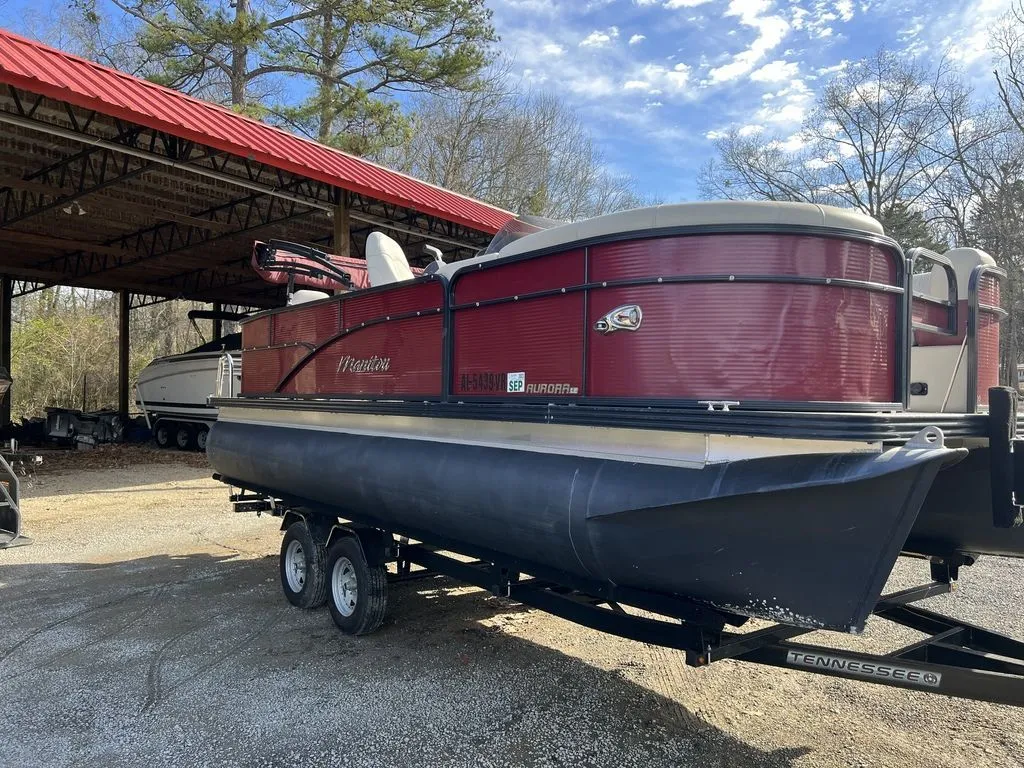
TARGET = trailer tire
x,y
184,437
162,434
303,567
357,593
201,434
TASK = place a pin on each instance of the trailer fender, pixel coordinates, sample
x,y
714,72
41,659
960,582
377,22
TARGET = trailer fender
x,y
375,544
319,529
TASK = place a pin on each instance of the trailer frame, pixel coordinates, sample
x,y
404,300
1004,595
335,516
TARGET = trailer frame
x,y
954,658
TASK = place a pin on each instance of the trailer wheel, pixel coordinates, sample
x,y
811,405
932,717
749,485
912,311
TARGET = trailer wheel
x,y
358,593
162,433
201,434
184,437
303,571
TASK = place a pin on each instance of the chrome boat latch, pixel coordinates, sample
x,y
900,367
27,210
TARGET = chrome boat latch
x,y
625,318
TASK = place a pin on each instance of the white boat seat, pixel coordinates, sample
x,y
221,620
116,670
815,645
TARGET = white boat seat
x,y
385,260
302,296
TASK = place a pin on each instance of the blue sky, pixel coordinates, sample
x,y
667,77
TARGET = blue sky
x,y
656,79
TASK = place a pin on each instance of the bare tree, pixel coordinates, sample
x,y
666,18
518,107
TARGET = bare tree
x,y
871,142
527,153
756,167
873,128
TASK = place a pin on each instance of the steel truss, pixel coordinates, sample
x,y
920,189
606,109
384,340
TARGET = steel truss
x,y
129,151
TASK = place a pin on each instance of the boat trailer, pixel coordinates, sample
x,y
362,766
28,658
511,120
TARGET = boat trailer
x,y
953,658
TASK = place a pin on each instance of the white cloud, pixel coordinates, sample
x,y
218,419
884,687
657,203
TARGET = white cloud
x,y
599,39
636,39
655,79
715,135
674,4
792,144
776,71
788,106
546,7
771,30
833,69
750,130
845,9
553,49
591,87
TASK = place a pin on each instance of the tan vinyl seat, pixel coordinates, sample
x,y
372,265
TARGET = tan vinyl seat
x,y
385,260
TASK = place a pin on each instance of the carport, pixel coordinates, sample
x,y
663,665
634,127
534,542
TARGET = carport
x,y
114,183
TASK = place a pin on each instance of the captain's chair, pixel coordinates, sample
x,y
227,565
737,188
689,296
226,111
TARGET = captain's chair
x,y
385,260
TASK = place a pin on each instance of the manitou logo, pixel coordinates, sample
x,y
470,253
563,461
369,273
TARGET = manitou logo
x,y
349,364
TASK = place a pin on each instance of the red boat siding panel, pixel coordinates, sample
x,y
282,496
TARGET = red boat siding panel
x,y
988,335
313,324
518,277
262,369
397,357
746,341
988,338
931,313
256,333
399,300
760,254
542,338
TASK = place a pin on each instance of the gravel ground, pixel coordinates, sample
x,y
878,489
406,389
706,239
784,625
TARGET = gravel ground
x,y
146,627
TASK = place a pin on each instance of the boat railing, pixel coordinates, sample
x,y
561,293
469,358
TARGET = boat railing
x,y
948,306
225,376
975,307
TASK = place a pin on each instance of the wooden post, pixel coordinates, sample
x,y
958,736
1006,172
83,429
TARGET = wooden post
x,y
6,301
218,324
123,349
342,238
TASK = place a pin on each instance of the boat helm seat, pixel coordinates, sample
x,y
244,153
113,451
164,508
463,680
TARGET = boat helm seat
x,y
301,296
385,260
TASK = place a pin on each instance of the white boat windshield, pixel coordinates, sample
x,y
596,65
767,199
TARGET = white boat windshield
x,y
517,228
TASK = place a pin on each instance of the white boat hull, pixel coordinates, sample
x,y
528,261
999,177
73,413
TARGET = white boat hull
x,y
178,387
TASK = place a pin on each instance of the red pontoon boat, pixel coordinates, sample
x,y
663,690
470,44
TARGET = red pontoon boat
x,y
712,410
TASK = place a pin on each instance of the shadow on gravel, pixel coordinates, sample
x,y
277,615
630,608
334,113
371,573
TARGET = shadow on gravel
x,y
112,479
198,659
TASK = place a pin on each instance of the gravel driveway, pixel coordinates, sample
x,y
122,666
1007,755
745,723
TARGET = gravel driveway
x,y
146,627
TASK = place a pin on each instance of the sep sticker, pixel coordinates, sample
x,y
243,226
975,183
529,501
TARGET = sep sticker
x,y
517,382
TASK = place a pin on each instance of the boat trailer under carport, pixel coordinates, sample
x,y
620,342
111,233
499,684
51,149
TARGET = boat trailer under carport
x,y
114,183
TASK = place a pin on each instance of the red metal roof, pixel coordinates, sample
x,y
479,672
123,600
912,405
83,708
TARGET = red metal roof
x,y
40,69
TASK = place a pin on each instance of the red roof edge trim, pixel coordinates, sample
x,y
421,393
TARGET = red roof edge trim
x,y
37,68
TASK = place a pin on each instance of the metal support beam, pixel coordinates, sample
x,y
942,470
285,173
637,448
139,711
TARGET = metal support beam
x,y
123,349
218,324
342,227
436,229
6,307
